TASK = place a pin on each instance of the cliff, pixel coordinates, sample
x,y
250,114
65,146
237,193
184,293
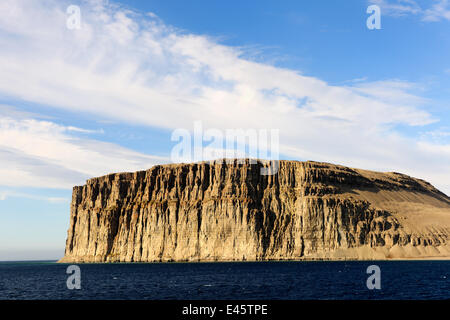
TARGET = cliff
x,y
230,212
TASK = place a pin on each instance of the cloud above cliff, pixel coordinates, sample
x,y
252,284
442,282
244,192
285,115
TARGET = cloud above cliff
x,y
36,153
131,67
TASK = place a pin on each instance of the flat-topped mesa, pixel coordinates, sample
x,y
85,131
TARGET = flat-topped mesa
x,y
229,211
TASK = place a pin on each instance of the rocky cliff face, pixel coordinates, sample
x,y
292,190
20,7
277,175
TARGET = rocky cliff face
x,y
230,212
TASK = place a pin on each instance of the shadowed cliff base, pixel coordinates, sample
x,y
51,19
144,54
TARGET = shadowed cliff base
x,y
228,211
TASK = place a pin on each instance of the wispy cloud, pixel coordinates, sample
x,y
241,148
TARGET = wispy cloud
x,y
437,11
9,194
127,67
398,8
141,71
38,153
439,135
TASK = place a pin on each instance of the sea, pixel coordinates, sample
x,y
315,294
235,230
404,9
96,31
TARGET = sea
x,y
340,280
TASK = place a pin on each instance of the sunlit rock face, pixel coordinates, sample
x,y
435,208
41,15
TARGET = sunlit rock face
x,y
229,211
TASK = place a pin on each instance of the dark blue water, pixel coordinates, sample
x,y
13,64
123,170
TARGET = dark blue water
x,y
260,280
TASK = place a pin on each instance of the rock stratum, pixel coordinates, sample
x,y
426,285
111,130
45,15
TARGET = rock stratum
x,y
228,211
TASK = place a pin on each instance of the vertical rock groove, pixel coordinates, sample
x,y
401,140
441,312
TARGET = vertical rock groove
x,y
228,211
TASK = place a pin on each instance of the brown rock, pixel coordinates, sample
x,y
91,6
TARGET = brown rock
x,y
230,212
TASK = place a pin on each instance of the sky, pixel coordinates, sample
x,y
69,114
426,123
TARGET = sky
x,y
106,95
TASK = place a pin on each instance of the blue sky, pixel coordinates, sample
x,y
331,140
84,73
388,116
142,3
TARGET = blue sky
x,y
78,103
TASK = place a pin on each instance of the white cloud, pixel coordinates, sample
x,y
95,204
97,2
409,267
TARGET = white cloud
x,y
9,194
38,153
126,67
439,10
437,136
398,8
147,71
